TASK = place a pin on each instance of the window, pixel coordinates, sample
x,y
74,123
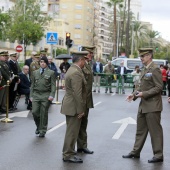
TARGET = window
x,y
78,16
77,36
61,42
77,26
78,6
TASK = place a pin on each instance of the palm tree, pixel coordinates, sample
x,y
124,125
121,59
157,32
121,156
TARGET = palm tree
x,y
152,35
114,3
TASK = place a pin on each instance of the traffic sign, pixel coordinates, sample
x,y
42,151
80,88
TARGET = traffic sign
x,y
19,48
51,37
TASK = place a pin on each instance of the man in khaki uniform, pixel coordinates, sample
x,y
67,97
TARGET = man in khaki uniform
x,y
109,69
42,92
35,65
150,107
5,73
88,73
73,106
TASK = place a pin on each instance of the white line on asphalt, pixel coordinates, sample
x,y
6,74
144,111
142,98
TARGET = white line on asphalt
x,y
97,103
63,123
113,94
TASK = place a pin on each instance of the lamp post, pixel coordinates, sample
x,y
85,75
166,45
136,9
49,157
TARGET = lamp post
x,y
132,40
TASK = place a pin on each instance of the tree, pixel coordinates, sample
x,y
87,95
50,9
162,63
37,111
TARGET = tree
x,y
27,22
152,37
114,3
4,22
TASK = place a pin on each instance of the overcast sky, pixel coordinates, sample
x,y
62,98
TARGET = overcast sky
x,y
157,13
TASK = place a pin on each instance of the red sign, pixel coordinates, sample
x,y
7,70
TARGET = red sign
x,y
19,48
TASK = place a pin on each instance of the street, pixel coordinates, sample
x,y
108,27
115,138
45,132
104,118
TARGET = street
x,y
111,134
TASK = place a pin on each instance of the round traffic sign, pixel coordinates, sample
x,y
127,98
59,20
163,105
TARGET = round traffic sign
x,y
19,48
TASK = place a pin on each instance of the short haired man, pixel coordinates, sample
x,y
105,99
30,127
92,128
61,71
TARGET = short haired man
x,y
43,87
52,66
73,106
150,107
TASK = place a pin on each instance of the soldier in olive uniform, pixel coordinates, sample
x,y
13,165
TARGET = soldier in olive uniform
x,y
88,73
42,92
73,106
35,65
150,107
5,77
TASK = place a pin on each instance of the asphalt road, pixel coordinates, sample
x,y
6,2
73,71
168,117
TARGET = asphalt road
x,y
109,138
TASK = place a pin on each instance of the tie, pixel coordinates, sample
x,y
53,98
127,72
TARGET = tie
x,y
42,71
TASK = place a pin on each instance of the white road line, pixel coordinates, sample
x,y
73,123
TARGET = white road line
x,y
97,103
63,123
56,127
113,94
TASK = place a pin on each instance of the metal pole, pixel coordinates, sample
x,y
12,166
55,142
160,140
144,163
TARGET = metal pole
x,y
7,120
57,91
132,42
51,50
117,40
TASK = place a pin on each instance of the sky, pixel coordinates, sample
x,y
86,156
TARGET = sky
x,y
158,14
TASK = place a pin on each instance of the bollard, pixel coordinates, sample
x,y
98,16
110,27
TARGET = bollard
x,y
7,120
57,92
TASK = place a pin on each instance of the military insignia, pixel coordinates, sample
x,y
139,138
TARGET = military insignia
x,y
148,75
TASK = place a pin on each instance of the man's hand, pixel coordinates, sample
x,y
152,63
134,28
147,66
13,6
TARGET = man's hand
x,y
130,98
139,94
50,98
80,115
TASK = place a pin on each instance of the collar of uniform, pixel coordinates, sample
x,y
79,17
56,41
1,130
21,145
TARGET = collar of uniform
x,y
77,66
148,65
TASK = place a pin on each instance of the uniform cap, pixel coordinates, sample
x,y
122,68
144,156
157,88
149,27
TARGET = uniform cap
x,y
37,55
43,52
80,53
143,51
88,48
4,53
13,55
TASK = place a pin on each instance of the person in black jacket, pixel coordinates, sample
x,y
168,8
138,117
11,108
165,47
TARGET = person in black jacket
x,y
52,66
30,60
15,80
97,69
121,76
24,85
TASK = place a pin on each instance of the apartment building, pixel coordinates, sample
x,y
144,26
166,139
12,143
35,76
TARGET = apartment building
x,y
102,39
5,5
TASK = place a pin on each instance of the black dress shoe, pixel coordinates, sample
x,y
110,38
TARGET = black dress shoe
x,y
155,160
74,159
130,156
37,132
41,135
94,90
85,150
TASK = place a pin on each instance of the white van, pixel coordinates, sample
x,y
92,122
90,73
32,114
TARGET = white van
x,y
130,63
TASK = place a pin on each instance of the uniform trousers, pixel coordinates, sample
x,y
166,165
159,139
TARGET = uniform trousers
x,y
40,114
82,137
3,96
72,131
149,122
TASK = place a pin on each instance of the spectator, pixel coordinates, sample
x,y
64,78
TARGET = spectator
x,y
164,79
109,69
136,77
64,66
121,76
24,86
52,66
97,69
30,60
168,81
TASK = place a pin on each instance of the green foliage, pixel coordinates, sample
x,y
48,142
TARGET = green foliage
x,y
61,51
27,22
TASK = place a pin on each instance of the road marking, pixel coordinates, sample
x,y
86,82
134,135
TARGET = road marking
x,y
124,123
97,103
63,123
17,114
113,94
56,127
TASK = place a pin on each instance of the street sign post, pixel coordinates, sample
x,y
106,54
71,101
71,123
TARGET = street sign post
x,y
19,48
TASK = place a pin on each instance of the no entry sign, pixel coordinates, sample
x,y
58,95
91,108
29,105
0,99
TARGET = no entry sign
x,y
19,48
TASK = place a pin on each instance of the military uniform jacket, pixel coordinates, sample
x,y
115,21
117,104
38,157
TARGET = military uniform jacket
x,y
89,79
44,85
34,66
151,86
109,70
74,100
5,73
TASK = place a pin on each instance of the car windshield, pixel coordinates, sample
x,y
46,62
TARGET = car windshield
x,y
132,63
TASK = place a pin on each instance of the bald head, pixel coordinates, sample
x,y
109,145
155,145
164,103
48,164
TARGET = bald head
x,y
25,69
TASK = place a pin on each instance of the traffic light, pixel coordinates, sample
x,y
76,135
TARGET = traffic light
x,y
69,42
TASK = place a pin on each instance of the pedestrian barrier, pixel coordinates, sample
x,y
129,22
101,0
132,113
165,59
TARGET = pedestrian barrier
x,y
114,80
7,120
